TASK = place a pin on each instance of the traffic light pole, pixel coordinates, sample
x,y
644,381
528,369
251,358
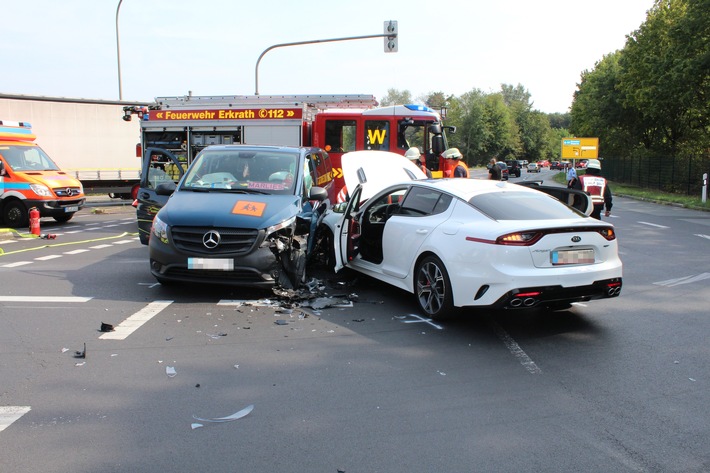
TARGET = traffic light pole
x,y
390,36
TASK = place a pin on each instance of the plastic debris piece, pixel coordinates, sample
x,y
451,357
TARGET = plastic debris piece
x,y
80,354
106,327
215,336
358,320
64,350
325,302
281,322
195,425
170,371
81,363
197,385
235,416
48,236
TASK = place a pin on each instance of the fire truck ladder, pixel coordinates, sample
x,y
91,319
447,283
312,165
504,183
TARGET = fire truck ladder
x,y
320,102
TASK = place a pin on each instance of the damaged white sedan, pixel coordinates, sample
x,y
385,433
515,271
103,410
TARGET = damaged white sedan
x,y
467,242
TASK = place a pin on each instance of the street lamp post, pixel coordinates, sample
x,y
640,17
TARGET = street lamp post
x,y
118,53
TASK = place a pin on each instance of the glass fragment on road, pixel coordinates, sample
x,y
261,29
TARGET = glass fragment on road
x,y
170,371
237,415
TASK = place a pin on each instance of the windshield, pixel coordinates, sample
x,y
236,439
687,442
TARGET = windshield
x,y
522,206
27,158
266,172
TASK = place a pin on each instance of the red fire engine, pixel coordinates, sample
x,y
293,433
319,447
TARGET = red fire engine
x,y
175,129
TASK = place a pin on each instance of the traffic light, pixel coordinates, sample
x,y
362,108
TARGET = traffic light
x,y
390,36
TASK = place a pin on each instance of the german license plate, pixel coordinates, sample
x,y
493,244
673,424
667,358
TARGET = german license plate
x,y
572,257
73,208
218,264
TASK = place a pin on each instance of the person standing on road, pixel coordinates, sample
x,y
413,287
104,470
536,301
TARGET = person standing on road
x,y
595,185
571,178
415,156
452,164
494,173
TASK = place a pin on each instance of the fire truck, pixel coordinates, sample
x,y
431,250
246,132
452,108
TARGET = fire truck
x,y
175,129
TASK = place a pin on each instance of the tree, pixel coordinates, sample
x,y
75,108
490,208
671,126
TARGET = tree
x,y
396,97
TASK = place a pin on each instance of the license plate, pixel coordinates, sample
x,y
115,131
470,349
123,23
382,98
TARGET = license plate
x,y
572,257
73,208
219,264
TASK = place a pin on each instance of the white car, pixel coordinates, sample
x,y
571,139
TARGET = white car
x,y
468,242
533,167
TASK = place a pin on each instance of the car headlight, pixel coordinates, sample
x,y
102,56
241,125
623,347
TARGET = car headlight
x,y
41,190
279,226
160,229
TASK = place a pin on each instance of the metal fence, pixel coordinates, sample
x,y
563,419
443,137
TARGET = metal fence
x,y
673,174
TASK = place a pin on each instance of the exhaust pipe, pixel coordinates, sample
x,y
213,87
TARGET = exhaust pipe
x,y
613,291
516,302
529,302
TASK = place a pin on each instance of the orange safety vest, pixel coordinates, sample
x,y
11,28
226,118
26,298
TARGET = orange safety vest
x,y
449,165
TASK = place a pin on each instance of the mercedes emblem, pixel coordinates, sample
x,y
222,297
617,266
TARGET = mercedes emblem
x,y
211,239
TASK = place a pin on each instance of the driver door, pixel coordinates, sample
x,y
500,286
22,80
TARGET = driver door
x,y
159,165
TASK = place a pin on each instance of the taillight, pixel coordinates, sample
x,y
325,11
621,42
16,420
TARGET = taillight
x,y
139,151
519,238
607,233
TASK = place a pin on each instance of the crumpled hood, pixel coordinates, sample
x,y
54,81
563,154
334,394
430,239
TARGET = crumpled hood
x,y
219,209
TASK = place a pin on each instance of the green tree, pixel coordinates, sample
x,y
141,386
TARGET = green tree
x,y
396,97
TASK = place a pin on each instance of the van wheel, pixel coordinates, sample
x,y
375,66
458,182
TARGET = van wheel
x,y
63,218
432,287
15,214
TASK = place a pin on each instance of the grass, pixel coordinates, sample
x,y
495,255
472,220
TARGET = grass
x,y
650,195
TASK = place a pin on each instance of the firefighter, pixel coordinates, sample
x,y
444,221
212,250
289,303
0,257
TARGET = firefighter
x,y
595,185
453,164
414,155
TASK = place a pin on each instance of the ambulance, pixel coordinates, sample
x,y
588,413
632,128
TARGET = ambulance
x,y
29,178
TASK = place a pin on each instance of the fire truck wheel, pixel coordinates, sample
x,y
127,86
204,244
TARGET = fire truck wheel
x,y
64,218
15,214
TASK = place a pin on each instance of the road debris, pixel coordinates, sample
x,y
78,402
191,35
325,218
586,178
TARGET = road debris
x,y
237,415
170,371
106,327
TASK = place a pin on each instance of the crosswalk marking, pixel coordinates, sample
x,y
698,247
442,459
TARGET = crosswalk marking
x,y
135,321
48,257
9,414
44,299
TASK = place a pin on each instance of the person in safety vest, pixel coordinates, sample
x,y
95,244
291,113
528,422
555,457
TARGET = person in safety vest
x,y
414,155
595,185
453,164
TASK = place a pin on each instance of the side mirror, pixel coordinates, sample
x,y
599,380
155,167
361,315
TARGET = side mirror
x,y
165,188
318,193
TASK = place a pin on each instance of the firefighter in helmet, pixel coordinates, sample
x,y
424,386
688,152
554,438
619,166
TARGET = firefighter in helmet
x,y
453,164
596,186
415,156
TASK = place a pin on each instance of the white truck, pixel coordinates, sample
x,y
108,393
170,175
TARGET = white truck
x,y
84,139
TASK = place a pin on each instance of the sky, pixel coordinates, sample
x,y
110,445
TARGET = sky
x,y
68,48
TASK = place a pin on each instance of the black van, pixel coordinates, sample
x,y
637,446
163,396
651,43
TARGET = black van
x,y
242,215
514,167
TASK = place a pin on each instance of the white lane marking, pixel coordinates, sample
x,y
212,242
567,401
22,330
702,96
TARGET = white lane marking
x,y
653,225
135,321
122,242
48,257
683,280
422,319
75,252
16,264
9,414
44,299
74,231
697,235
515,349
92,228
7,241
98,247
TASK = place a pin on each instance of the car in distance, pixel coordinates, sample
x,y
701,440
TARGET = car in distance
x,y
533,167
504,172
242,215
514,167
468,242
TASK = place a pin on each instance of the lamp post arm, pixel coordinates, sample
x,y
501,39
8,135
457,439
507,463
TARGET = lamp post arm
x,y
299,43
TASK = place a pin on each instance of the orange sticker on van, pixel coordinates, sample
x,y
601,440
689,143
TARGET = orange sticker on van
x,y
252,209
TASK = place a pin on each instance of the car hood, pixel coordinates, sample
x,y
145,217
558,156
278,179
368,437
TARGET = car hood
x,y
375,170
217,209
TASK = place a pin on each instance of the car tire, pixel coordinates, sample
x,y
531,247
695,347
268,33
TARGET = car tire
x,y
63,218
15,214
432,288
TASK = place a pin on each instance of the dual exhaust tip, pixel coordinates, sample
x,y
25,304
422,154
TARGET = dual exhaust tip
x,y
523,302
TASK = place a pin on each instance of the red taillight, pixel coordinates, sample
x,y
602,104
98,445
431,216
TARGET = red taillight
x,y
139,151
607,233
519,238
528,294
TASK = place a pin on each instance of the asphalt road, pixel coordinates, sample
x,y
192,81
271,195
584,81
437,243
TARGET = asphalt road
x,y
617,385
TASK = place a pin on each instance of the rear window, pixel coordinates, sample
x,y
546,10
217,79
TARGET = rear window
x,y
522,206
